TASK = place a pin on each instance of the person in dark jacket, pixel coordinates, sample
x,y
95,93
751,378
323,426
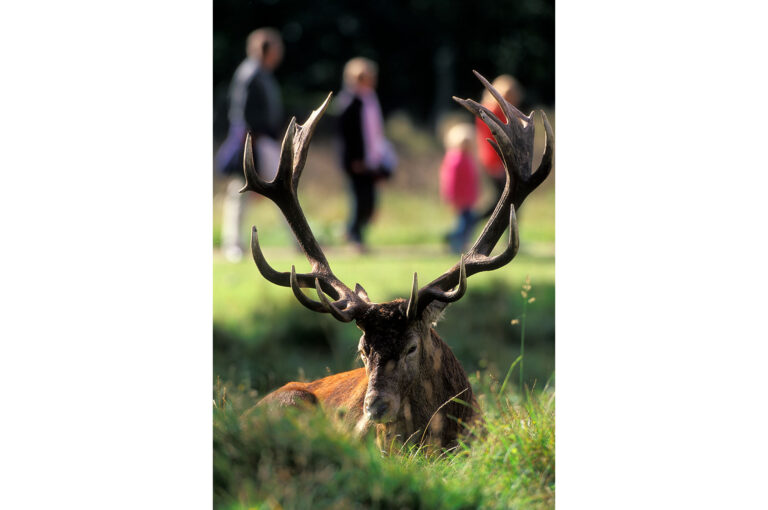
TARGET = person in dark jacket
x,y
255,104
367,156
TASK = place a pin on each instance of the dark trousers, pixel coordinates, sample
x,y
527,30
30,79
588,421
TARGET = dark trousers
x,y
229,157
363,188
458,238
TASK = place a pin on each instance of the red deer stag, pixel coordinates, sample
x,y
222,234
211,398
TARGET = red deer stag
x,y
410,380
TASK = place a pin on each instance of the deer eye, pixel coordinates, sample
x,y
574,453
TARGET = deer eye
x,y
411,350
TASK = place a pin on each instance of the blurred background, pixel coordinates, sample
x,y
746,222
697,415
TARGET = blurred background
x,y
426,51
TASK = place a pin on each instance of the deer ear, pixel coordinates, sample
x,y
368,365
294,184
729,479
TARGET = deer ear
x,y
433,313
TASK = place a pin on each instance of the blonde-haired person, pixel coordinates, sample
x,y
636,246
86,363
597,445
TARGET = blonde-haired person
x,y
366,155
255,105
459,182
510,89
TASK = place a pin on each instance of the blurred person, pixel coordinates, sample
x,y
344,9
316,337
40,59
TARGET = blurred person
x,y
367,156
459,182
492,165
255,105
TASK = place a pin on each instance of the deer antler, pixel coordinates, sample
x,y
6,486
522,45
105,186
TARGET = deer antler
x,y
282,190
514,144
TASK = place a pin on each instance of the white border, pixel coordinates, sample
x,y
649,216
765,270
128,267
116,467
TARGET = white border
x,y
106,273
660,255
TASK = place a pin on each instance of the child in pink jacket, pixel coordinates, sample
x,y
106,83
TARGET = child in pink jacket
x,y
459,182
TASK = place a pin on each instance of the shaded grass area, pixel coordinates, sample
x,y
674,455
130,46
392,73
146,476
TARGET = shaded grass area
x,y
296,459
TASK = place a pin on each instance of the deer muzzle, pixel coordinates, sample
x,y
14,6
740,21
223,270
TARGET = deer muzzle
x,y
377,409
382,401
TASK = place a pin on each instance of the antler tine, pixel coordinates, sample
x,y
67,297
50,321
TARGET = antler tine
x,y
324,305
282,191
469,264
429,293
361,293
479,262
412,307
305,280
252,180
303,299
270,189
479,110
517,129
293,155
514,145
304,134
339,314
285,166
545,166
510,111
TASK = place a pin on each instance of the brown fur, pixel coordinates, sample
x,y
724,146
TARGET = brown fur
x,y
424,392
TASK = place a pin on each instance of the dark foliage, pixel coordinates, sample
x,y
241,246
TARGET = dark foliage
x,y
425,48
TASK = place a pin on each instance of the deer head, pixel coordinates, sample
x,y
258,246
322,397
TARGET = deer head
x,y
404,360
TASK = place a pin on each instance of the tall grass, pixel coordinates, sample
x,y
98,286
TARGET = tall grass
x,y
300,458
526,301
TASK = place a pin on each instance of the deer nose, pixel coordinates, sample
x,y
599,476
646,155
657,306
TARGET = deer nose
x,y
377,408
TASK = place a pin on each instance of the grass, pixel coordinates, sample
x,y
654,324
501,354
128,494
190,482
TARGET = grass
x,y
295,459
